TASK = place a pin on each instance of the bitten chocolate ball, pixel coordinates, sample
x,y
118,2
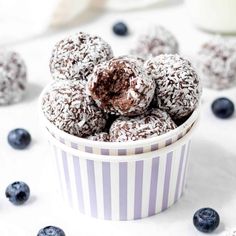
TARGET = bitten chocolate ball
x,y
151,124
178,88
12,77
70,109
216,63
156,41
121,86
74,58
102,137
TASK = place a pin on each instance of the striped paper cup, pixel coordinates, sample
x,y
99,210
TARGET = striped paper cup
x,y
117,148
122,187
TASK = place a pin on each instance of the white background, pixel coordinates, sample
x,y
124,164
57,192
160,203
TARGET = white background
x,y
212,174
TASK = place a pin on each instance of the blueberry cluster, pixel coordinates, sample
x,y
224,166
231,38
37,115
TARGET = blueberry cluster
x,y
205,220
18,192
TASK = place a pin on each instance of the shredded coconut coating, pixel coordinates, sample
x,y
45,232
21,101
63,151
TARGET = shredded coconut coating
x,y
121,86
102,137
216,63
156,41
139,60
74,58
70,109
12,77
178,88
151,124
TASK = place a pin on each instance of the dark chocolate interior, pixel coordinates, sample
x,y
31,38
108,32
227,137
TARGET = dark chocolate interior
x,y
113,84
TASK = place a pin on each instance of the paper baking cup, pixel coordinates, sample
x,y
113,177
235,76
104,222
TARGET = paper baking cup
x,y
122,187
118,148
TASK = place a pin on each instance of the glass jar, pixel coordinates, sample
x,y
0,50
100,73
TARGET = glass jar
x,y
214,15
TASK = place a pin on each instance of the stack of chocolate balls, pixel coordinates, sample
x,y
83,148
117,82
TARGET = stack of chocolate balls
x,y
116,99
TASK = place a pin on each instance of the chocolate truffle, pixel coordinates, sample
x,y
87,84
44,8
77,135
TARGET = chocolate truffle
x,y
102,137
178,88
121,86
12,77
74,58
70,109
151,124
156,41
216,63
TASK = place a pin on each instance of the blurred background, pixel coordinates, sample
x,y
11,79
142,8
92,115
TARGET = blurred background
x,y
25,19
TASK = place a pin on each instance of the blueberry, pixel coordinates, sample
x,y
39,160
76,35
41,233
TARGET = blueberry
x,y
120,29
19,138
51,231
18,192
206,220
223,108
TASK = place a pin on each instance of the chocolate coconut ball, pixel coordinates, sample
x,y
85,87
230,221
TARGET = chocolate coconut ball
x,y
102,137
12,77
156,41
74,58
151,124
121,86
178,88
70,109
216,63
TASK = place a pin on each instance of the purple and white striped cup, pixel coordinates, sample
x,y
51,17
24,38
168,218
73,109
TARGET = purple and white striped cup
x,y
114,187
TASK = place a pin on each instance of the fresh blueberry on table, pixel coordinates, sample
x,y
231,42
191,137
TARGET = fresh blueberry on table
x,y
223,108
19,138
18,192
206,220
51,231
120,29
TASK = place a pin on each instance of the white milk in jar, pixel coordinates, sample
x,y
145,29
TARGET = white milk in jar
x,y
214,15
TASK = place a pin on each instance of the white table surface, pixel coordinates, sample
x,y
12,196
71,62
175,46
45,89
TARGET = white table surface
x,y
211,178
